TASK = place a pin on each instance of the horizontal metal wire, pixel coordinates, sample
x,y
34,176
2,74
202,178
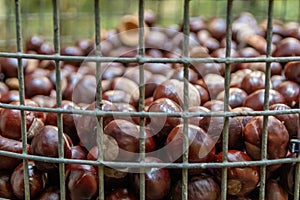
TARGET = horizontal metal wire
x,y
145,165
149,114
142,60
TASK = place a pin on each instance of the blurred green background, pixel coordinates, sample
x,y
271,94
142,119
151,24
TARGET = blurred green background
x,y
77,16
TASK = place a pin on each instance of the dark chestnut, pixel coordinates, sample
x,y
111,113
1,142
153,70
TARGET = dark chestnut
x,y
45,143
290,121
78,152
241,181
200,187
119,194
161,125
5,186
201,145
10,120
173,89
69,127
87,124
84,89
287,47
127,136
157,181
37,85
50,193
9,66
10,96
118,96
238,76
276,80
256,99
37,180
290,91
292,72
217,27
11,146
275,191
179,74
237,97
203,92
278,138
152,83
214,83
46,48
253,81
81,181
34,42
86,45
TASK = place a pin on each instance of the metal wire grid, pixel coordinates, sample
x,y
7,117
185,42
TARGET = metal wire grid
x,y
185,114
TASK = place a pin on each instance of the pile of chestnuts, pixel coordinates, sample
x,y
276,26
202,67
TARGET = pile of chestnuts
x,y
163,91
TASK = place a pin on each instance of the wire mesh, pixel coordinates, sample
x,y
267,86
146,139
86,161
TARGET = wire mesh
x,y
185,9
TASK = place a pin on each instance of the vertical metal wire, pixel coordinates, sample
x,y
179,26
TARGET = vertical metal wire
x,y
264,147
297,169
141,53
185,156
22,98
41,17
56,41
8,24
99,99
226,98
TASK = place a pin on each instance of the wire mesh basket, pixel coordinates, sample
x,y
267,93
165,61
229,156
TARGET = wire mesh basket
x,y
149,99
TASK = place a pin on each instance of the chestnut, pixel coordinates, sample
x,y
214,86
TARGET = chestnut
x,y
275,191
179,74
5,186
84,89
290,91
203,92
290,121
152,83
81,181
256,99
173,89
46,48
217,27
118,96
214,83
9,66
45,143
37,85
276,80
160,68
86,45
10,120
253,81
200,187
241,181
237,97
127,136
292,72
37,180
161,125
201,146
44,101
287,47
277,142
86,125
69,127
112,70
11,146
155,40
215,105
10,96
50,193
120,193
128,86
238,76
157,181
72,79
34,42
78,152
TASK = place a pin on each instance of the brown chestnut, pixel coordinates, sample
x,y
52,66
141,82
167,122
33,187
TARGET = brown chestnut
x,y
287,47
241,180
45,143
256,99
275,191
37,180
81,181
120,193
290,91
253,81
173,89
34,42
37,85
237,97
157,181
10,120
50,193
9,66
290,121
5,186
200,187
292,72
201,145
277,142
